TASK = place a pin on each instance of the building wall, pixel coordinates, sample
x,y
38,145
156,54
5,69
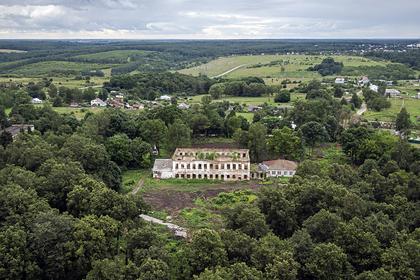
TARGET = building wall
x,y
281,173
162,174
206,169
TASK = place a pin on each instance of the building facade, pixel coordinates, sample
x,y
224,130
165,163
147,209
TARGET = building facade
x,y
275,168
209,163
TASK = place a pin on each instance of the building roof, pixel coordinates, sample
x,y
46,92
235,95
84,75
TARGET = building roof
x,y
15,129
162,165
214,154
278,164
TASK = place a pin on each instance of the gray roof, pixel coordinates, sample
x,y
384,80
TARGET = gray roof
x,y
162,165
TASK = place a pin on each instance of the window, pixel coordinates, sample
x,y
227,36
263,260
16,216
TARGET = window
x,y
239,178
211,176
227,176
246,166
216,166
199,166
233,166
227,166
222,177
199,176
183,176
176,166
233,176
245,177
193,166
243,155
222,166
205,176
205,166
177,176
211,165
182,166
188,166
217,176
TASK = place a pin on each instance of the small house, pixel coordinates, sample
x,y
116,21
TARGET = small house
x,y
97,102
16,129
392,92
36,101
278,168
364,81
162,169
165,98
374,88
253,108
340,81
183,106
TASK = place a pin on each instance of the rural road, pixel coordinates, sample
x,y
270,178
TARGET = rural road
x,y
363,108
177,230
229,71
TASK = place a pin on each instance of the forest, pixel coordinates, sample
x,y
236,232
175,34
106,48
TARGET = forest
x,y
63,215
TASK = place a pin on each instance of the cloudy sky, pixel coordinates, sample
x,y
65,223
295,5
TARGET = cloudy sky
x,y
209,19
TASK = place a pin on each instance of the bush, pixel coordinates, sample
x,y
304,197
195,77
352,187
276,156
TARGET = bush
x,y
282,97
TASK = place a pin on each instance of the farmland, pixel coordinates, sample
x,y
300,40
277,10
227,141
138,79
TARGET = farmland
x,y
273,66
412,105
251,100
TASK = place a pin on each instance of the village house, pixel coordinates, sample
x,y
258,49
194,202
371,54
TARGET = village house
x,y
364,81
16,129
165,98
183,106
36,101
205,163
374,88
340,81
392,92
97,102
253,108
275,168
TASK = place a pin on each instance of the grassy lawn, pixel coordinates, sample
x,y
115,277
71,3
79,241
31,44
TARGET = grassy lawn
x,y
130,179
251,100
78,112
248,116
412,105
69,82
48,67
119,56
291,66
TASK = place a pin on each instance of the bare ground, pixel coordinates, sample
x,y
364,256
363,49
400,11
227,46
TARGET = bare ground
x,y
173,201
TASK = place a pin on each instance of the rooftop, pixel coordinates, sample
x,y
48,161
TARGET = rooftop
x,y
162,165
18,128
213,154
279,164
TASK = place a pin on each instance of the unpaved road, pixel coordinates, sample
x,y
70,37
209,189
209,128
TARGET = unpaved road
x,y
229,71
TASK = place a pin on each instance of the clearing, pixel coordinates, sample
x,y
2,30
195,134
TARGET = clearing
x,y
273,66
412,105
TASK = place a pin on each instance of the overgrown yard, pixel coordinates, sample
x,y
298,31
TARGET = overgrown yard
x,y
412,105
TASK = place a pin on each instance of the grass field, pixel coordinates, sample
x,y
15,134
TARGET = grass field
x,y
252,100
49,67
292,66
412,105
11,51
119,56
79,113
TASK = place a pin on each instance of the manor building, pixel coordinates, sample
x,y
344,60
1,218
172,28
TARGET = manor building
x,y
205,163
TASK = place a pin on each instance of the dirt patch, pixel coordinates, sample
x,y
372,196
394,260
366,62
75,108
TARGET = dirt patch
x,y
173,201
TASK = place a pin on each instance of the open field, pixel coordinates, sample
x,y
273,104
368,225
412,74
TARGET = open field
x,y
69,82
252,100
49,67
273,66
11,51
412,105
117,56
79,113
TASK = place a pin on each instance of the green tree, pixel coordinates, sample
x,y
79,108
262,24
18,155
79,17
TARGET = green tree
x,y
286,143
322,226
216,91
403,122
154,132
119,148
248,220
328,262
284,267
5,138
257,142
206,250
153,270
313,133
282,97
179,135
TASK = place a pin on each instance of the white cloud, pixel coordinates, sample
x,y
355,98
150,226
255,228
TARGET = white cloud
x,y
209,18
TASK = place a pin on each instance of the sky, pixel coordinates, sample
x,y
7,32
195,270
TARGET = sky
x,y
208,19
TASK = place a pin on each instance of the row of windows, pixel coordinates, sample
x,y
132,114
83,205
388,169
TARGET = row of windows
x,y
211,166
211,176
281,173
194,154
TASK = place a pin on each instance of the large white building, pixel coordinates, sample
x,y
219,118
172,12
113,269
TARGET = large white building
x,y
205,163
